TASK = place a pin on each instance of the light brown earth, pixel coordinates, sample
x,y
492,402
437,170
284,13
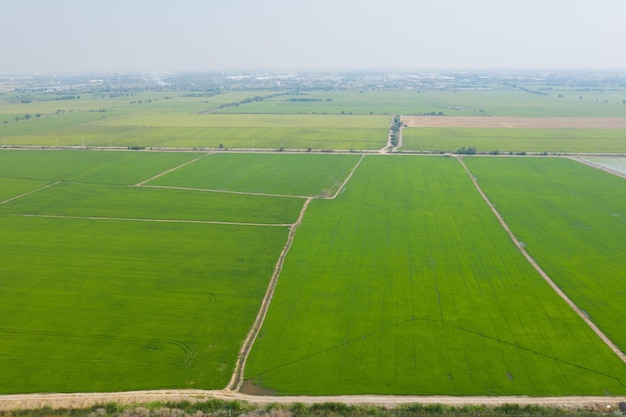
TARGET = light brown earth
x,y
516,122
82,400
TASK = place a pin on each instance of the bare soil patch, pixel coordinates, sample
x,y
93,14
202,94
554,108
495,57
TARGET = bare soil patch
x,y
515,122
248,387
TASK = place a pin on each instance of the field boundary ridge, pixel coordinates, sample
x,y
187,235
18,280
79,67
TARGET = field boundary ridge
x,y
139,184
541,272
236,379
29,192
130,219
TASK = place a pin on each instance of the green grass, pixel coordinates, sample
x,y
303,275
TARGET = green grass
x,y
173,127
10,187
515,140
89,200
89,167
457,103
290,174
407,284
572,219
114,306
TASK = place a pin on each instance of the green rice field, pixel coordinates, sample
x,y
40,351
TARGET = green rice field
x,y
428,296
301,174
126,267
106,286
515,140
580,239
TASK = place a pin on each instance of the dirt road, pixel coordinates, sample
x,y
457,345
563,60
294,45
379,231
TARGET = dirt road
x,y
81,400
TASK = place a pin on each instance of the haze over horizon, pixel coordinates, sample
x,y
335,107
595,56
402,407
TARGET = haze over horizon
x,y
194,35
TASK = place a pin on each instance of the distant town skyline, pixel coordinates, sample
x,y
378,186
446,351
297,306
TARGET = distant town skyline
x,y
39,36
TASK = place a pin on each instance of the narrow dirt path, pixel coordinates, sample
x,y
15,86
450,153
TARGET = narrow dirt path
x,y
29,192
343,184
238,374
139,184
206,190
131,219
541,272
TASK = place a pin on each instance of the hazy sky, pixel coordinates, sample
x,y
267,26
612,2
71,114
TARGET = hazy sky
x,y
162,35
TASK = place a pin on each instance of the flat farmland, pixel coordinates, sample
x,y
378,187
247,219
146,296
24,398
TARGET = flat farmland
x,y
571,218
289,174
123,202
10,187
564,140
89,167
178,129
162,299
112,306
451,102
407,284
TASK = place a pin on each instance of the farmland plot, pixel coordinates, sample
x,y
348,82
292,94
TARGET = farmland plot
x,y
571,218
11,187
162,299
407,284
112,306
123,202
90,167
290,174
514,139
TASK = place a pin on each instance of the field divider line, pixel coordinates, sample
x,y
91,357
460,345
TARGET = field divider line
x,y
598,166
168,187
130,219
237,378
139,184
29,192
541,272
343,184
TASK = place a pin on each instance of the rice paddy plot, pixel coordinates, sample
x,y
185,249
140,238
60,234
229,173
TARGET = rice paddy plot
x,y
246,131
503,102
514,140
572,220
116,306
11,187
407,284
281,174
109,201
89,167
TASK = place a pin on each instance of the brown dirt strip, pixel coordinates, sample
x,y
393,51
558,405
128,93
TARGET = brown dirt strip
x,y
128,219
139,184
30,192
237,378
545,276
516,122
82,400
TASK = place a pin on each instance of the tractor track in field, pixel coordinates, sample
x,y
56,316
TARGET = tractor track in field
x,y
541,272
